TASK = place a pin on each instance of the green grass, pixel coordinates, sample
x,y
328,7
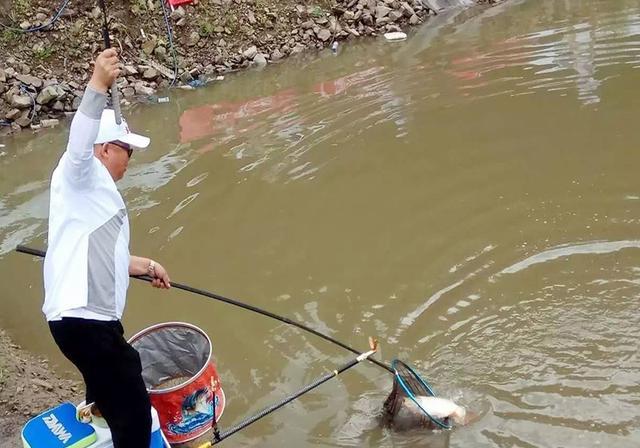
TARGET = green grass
x,y
43,53
205,29
10,36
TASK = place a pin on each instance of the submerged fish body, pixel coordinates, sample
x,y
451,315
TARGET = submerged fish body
x,y
441,408
409,415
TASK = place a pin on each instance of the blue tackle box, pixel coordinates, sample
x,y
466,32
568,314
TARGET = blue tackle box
x,y
58,427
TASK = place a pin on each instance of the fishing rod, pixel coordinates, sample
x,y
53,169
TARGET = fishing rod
x,y
373,345
246,306
115,98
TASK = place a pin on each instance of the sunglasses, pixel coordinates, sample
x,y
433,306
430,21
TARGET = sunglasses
x,y
124,146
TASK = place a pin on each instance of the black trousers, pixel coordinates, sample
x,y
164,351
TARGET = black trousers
x,y
112,374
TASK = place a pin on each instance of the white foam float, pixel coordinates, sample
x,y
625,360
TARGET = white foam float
x,y
396,36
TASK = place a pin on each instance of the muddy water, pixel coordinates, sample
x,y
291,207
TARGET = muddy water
x,y
470,196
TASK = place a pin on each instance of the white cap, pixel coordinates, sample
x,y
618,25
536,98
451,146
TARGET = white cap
x,y
110,132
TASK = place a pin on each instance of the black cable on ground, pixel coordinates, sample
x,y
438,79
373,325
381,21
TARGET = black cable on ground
x,y
170,37
41,27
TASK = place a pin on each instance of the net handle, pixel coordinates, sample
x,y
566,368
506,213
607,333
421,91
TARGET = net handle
x,y
400,381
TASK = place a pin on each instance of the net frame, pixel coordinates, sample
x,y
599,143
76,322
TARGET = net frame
x,y
412,385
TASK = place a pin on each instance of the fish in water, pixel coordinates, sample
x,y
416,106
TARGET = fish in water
x,y
405,414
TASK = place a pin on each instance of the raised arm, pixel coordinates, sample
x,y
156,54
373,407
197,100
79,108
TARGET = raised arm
x,y
86,123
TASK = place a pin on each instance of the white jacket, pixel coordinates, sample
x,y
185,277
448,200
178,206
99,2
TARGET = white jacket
x,y
86,270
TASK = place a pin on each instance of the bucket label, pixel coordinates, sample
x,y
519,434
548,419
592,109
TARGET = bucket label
x,y
187,413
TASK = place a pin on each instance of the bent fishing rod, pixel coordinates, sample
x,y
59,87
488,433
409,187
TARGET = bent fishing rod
x,y
115,98
246,306
218,437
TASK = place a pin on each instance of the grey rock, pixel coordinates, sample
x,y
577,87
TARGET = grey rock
x,y
12,114
150,73
186,77
260,60
250,52
276,55
141,89
407,9
49,94
414,20
58,105
49,123
178,13
41,17
30,80
324,35
382,11
3,76
394,16
75,104
128,92
149,46
23,121
25,25
20,101
129,70
194,38
298,48
161,53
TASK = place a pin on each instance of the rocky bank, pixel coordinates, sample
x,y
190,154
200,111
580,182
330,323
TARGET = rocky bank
x,y
46,50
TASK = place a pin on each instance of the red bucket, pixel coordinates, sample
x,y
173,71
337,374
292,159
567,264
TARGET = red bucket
x,y
181,378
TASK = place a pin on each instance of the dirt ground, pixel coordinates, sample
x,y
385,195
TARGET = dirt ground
x,y
27,387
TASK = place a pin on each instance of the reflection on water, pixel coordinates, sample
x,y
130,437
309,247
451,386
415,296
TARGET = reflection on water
x,y
469,196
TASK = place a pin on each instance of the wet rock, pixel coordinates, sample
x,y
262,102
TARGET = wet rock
x,y
260,60
128,92
276,55
298,48
186,77
20,101
250,52
23,121
49,123
142,89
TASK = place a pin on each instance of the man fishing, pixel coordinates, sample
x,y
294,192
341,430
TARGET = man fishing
x,y
87,266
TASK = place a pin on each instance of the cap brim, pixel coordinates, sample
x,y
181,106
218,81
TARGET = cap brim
x,y
135,140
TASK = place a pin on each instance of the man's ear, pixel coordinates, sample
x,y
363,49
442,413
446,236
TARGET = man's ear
x,y
100,150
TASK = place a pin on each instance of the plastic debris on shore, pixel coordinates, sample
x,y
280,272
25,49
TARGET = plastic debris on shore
x,y
395,36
